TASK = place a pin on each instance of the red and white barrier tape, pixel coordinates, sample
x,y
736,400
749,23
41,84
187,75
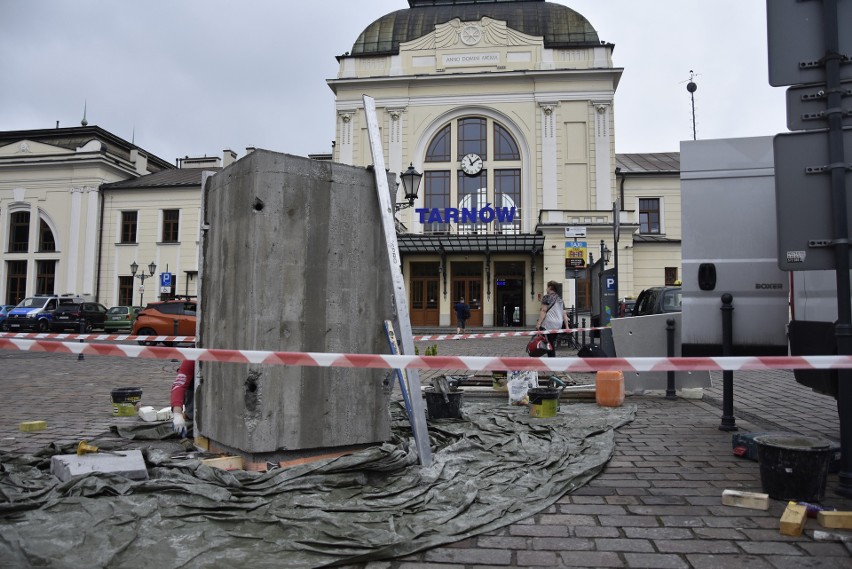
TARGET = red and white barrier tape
x,y
96,337
472,363
431,337
437,337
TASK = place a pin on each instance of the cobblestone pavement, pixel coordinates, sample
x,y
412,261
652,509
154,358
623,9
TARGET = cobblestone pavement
x,y
657,504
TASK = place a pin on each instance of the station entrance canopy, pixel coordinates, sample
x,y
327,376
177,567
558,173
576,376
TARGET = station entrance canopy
x,y
449,244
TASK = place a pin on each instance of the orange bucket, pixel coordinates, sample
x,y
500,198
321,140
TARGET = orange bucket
x,y
609,388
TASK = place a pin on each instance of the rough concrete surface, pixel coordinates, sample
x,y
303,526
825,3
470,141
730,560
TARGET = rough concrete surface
x,y
294,260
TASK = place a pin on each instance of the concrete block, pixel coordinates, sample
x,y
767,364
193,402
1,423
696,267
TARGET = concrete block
x,y
294,260
793,519
754,500
836,520
128,463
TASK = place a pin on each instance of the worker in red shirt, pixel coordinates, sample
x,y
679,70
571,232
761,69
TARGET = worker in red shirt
x,y
183,397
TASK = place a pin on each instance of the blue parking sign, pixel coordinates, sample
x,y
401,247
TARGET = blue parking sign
x,y
166,279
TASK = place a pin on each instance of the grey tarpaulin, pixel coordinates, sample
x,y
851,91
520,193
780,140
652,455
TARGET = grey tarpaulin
x,y
494,468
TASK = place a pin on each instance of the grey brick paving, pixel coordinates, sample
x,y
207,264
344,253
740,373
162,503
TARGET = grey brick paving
x,y
657,504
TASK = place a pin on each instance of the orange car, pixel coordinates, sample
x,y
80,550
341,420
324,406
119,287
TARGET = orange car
x,y
166,318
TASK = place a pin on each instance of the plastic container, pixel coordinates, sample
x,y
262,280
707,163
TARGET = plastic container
x,y
439,408
793,467
609,388
544,401
125,401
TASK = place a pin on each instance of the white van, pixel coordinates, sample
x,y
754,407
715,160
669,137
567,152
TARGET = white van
x,y
730,245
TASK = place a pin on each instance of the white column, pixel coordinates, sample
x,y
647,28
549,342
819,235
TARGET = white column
x,y
72,261
603,156
91,245
549,190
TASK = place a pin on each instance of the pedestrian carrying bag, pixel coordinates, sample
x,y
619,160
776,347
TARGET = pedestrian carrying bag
x,y
538,346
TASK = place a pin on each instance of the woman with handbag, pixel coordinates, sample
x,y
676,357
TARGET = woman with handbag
x,y
552,315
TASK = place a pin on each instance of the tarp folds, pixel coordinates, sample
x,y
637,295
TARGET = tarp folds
x,y
492,469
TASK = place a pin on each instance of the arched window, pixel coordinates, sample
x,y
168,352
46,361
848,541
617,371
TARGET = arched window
x,y
505,147
452,178
439,148
46,242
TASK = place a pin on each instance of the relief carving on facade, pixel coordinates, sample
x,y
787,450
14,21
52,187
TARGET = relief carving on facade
x,y
485,33
548,120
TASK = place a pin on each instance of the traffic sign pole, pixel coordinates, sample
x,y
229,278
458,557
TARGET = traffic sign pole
x,y
837,167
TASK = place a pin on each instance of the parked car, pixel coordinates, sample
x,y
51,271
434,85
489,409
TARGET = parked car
x,y
625,307
4,310
166,318
121,318
70,316
36,312
658,300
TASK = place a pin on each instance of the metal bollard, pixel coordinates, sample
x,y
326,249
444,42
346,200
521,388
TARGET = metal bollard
x,y
584,331
729,423
82,327
670,352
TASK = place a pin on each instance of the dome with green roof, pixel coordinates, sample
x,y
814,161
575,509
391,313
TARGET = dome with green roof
x,y
560,26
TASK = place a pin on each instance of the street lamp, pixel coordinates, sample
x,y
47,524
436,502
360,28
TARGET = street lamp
x,y
410,185
605,253
141,276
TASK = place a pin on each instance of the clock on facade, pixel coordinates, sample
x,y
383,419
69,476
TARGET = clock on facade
x,y
471,164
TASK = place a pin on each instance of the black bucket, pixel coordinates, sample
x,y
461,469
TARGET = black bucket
x,y
544,401
441,409
793,467
126,401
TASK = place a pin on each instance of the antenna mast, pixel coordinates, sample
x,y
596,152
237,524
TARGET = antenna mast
x,y
692,88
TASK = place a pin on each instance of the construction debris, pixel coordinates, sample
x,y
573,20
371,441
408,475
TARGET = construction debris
x,y
753,500
793,519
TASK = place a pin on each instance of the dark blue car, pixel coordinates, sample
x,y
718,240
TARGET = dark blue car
x,y
4,310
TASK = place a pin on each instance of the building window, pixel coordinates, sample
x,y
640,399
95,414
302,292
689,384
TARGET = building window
x,y
46,242
473,136
437,197
125,291
45,277
19,232
129,222
171,225
16,281
649,215
446,185
472,196
507,190
671,276
505,147
439,148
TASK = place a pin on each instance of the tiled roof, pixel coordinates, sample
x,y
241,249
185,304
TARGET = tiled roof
x,y
164,179
658,162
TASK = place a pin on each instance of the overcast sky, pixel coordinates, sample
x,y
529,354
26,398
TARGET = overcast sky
x,y
194,77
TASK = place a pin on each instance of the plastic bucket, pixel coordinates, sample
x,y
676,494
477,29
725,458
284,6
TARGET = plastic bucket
x,y
439,408
125,401
793,467
544,401
609,388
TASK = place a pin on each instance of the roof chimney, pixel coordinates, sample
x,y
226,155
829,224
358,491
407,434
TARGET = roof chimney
x,y
228,157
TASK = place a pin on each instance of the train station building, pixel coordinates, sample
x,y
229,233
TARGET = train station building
x,y
507,109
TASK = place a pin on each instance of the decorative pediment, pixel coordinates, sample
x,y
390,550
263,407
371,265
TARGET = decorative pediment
x,y
25,148
487,32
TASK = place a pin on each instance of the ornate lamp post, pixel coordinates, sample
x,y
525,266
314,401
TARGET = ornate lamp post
x,y
142,276
410,185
